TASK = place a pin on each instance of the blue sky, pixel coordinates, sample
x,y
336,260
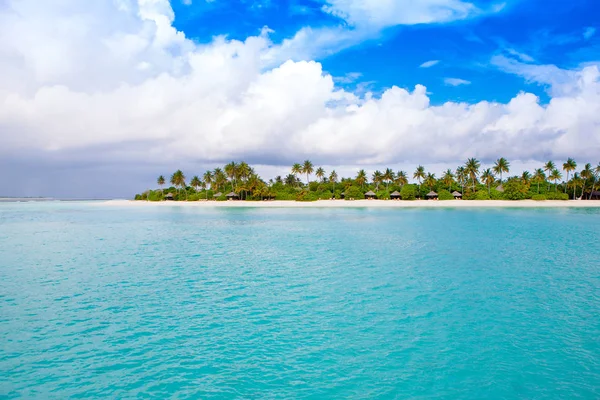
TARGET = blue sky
x,y
556,32
100,97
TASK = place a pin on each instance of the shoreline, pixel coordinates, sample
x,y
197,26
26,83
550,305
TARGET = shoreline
x,y
363,204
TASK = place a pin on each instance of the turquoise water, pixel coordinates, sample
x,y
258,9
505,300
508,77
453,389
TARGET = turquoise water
x,y
100,302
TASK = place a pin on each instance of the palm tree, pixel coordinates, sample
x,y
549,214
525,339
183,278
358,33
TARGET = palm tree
x,y
307,169
502,165
448,178
539,177
401,178
555,175
430,180
361,178
195,182
161,183
418,175
586,173
231,170
472,169
320,174
569,166
549,167
377,178
291,180
526,177
333,177
207,178
388,176
488,178
575,181
178,180
461,175
596,178
219,178
296,170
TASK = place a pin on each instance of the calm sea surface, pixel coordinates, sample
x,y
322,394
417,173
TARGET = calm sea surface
x,y
104,302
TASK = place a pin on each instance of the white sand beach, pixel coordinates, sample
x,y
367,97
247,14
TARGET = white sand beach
x,y
364,203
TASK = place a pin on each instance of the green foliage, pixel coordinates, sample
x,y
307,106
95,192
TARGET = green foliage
x,y
314,186
443,194
138,197
496,195
409,192
557,196
222,197
355,193
383,195
538,197
286,195
308,196
482,195
195,197
514,189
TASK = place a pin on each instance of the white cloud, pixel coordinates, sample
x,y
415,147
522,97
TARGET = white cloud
x,y
364,20
349,77
456,82
521,56
382,13
429,64
129,88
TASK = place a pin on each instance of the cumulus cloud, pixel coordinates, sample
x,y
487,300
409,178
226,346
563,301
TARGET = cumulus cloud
x,y
114,82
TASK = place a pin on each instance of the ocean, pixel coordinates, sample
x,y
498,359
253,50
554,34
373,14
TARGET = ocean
x,y
198,303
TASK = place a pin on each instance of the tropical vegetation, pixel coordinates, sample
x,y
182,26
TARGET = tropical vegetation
x,y
241,182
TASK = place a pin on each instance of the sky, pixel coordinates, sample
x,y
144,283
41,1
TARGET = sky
x,y
97,98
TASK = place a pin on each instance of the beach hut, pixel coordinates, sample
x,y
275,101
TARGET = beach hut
x,y
432,195
396,195
217,195
343,195
232,196
457,195
500,188
370,195
169,196
595,195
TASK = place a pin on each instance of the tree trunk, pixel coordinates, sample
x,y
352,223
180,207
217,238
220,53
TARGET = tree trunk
x,y
567,181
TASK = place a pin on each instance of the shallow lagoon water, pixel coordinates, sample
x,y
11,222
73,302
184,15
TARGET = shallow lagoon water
x,y
298,303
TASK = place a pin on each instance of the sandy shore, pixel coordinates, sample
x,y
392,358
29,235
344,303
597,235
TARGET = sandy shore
x,y
362,203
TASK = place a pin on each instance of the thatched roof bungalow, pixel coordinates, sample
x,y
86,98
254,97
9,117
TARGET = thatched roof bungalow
x,y
395,196
370,195
457,195
232,196
432,195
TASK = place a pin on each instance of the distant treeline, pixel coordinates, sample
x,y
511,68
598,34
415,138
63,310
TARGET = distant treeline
x,y
239,181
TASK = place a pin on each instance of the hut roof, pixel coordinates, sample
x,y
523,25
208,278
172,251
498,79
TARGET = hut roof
x,y
456,194
218,194
169,195
396,193
232,194
500,188
370,193
432,194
